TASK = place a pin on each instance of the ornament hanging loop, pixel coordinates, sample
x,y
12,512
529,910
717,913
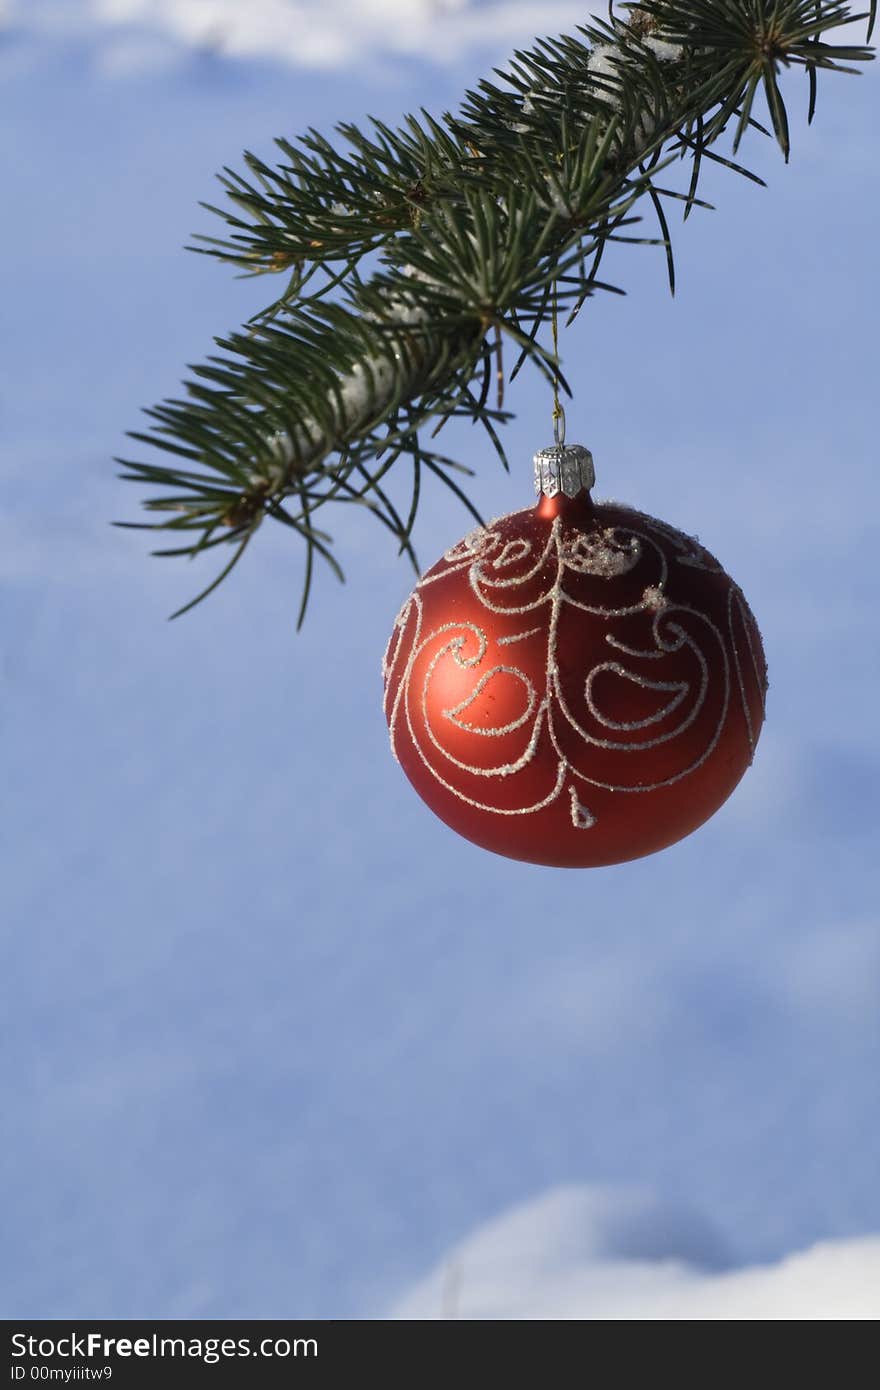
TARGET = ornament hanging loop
x,y
558,424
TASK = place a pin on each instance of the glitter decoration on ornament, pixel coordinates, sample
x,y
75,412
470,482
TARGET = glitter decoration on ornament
x,y
576,650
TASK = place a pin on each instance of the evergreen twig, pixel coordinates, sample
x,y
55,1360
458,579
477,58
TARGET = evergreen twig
x,y
411,253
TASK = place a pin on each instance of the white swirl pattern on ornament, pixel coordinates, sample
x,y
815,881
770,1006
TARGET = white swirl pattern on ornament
x,y
501,571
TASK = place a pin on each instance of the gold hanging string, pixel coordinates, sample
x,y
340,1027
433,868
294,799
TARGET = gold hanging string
x,y
558,412
499,376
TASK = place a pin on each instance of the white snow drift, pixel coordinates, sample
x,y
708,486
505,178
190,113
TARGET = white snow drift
x,y
594,1253
321,34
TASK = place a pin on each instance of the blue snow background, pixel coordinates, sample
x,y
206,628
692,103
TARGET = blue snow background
x,y
273,1037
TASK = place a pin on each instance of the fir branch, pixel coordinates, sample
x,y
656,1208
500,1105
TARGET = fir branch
x,y
411,253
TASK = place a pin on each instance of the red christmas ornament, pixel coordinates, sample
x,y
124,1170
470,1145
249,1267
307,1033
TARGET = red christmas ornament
x,y
575,684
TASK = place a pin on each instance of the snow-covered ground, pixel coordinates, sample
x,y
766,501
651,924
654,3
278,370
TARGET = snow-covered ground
x,y
275,1039
317,34
597,1253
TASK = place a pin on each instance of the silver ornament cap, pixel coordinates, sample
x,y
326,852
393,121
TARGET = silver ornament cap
x,y
565,468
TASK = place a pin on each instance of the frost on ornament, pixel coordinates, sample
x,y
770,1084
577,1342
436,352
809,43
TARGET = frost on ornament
x,y
575,684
